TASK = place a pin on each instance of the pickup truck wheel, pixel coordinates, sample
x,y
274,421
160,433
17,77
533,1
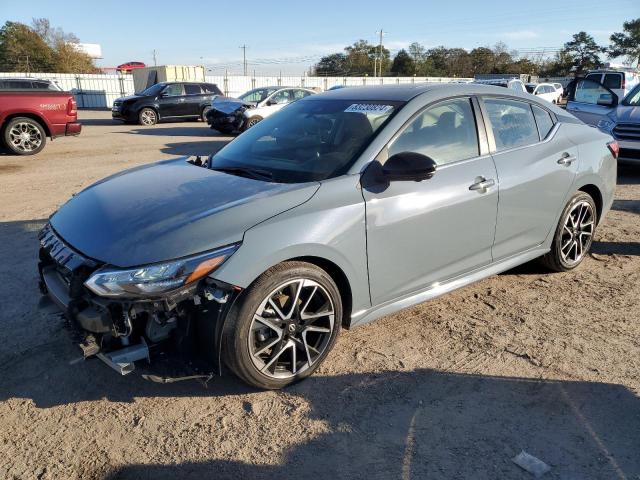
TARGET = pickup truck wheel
x,y
147,117
24,136
203,115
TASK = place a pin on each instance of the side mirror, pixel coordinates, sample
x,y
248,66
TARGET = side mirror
x,y
271,102
164,95
408,166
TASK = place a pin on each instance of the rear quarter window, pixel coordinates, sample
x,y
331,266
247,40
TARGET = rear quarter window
x,y
543,121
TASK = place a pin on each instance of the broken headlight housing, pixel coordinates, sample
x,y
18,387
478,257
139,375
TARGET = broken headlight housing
x,y
156,279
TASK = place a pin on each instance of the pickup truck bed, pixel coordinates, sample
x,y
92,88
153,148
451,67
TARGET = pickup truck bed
x,y
27,117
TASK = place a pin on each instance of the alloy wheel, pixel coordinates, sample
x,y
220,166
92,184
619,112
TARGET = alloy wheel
x,y
25,137
148,117
291,329
577,233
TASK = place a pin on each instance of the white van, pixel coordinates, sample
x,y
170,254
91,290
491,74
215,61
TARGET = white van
x,y
619,81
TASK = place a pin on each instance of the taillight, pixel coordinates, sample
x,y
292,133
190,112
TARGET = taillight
x,y
72,107
623,83
614,148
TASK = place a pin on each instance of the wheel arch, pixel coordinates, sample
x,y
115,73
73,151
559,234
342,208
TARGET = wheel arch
x,y
41,121
341,280
594,192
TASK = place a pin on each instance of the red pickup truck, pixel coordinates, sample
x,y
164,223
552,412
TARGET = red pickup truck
x,y
28,117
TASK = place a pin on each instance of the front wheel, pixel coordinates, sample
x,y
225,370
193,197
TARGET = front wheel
x,y
147,117
574,234
284,325
251,121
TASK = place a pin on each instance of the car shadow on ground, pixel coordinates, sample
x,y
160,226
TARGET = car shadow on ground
x,y
196,129
99,122
390,424
205,148
429,424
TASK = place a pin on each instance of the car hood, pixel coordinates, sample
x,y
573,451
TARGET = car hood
x,y
229,104
626,114
168,210
129,97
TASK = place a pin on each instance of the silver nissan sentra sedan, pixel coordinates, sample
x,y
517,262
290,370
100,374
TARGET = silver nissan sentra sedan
x,y
341,208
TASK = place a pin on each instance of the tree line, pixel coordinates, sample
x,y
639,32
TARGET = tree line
x,y
39,47
578,55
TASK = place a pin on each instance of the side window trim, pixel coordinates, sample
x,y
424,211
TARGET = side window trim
x,y
384,153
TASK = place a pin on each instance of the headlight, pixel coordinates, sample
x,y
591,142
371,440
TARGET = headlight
x,y
158,278
606,125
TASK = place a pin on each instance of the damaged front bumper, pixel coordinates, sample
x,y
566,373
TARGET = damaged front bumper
x,y
122,331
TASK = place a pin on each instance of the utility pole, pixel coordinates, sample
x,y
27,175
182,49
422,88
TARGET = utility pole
x,y
381,33
244,58
155,63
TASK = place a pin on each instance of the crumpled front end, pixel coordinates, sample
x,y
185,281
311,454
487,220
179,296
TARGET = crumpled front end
x,y
227,114
121,331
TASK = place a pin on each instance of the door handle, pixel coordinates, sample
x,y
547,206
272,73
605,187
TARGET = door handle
x,y
566,159
482,184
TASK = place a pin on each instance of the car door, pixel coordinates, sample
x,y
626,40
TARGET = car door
x,y
171,101
421,233
536,165
194,99
591,101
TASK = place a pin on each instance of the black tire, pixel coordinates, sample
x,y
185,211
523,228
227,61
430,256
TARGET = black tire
x,y
555,259
203,114
147,117
251,121
24,136
238,334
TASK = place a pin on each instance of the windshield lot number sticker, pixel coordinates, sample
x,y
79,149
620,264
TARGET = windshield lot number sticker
x,y
368,108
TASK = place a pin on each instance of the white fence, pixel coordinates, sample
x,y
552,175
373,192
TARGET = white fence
x,y
99,91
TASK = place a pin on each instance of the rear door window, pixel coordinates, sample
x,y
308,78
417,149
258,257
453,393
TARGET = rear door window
x,y
512,123
192,89
596,77
613,80
543,121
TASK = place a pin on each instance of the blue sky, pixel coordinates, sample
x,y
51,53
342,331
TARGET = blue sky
x,y
288,36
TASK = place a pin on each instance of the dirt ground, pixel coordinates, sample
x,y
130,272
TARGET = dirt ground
x,y
454,388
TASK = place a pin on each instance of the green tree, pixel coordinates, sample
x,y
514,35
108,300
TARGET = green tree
x,y
332,65
67,56
403,64
482,60
584,52
418,55
23,50
627,43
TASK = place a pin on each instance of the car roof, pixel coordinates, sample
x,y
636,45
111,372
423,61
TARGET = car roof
x,y
406,92
28,79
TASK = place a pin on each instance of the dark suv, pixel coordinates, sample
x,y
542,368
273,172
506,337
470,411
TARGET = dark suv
x,y
167,100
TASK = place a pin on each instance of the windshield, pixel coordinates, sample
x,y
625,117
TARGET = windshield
x,y
309,140
257,95
633,98
153,90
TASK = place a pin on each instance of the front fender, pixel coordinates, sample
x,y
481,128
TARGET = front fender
x,y
329,226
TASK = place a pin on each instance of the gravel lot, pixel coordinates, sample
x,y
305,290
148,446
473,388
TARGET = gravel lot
x,y
546,363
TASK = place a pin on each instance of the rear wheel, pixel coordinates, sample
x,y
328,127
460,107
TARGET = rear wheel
x,y
574,234
284,326
203,115
24,136
147,117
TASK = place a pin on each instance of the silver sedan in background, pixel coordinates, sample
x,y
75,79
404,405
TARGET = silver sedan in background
x,y
339,209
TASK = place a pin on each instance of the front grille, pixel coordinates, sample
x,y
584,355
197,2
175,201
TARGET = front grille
x,y
627,131
629,153
73,267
